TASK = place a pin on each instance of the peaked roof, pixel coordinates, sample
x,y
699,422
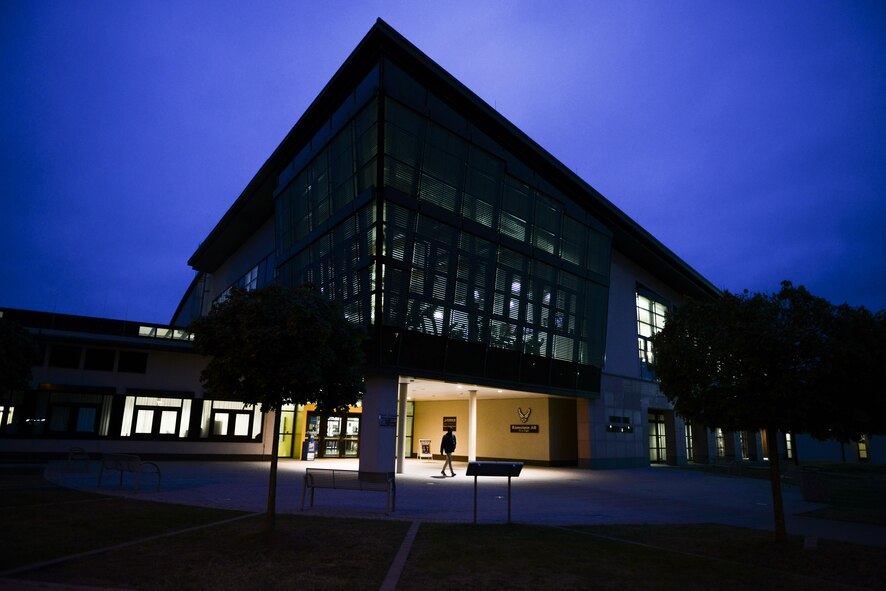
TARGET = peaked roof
x,y
256,203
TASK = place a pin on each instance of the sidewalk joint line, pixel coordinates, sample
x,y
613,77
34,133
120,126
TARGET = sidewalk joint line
x,y
393,576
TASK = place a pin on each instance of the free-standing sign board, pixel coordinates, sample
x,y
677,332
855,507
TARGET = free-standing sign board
x,y
424,449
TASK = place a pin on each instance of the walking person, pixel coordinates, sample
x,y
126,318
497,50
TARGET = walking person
x,y
447,446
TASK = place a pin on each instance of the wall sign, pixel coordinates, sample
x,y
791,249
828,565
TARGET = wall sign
x,y
387,420
449,422
524,428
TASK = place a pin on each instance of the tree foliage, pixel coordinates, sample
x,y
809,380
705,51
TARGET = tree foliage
x,y
275,346
17,353
790,361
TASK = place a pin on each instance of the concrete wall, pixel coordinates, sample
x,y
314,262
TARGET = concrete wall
x,y
428,424
623,392
494,437
563,431
165,371
621,326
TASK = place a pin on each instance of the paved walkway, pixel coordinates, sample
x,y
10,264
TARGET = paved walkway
x,y
550,496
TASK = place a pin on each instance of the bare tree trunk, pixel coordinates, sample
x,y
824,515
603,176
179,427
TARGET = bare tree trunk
x,y
271,515
781,533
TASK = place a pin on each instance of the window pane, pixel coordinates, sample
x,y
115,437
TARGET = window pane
x,y
167,422
59,420
220,424
333,426
241,425
143,421
353,426
86,419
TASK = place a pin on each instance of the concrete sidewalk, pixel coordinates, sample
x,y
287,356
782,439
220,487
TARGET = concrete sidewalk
x,y
540,495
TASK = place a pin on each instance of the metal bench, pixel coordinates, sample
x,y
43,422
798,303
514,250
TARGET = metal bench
x,y
351,480
127,463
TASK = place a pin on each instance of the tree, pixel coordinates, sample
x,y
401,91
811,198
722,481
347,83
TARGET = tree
x,y
17,352
851,371
275,346
789,362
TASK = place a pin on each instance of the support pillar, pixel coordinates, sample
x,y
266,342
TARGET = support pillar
x,y
379,425
401,428
472,426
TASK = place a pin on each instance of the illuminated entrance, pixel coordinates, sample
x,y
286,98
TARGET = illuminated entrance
x,y
337,436
507,424
490,423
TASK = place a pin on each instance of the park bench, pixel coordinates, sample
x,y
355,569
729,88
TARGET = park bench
x,y
351,480
127,463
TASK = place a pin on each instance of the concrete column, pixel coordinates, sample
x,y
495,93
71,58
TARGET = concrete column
x,y
401,428
583,431
472,426
379,425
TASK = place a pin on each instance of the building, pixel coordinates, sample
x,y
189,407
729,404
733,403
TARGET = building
x,y
504,296
110,386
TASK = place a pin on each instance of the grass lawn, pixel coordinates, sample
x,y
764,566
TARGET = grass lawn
x,y
663,557
307,552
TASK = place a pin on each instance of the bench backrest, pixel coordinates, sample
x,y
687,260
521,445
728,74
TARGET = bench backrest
x,y
334,478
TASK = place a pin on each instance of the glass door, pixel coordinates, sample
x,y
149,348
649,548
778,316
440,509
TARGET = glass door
x,y
657,445
287,426
337,436
331,445
352,437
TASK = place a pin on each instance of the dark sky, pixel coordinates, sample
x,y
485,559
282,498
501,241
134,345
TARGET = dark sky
x,y
749,137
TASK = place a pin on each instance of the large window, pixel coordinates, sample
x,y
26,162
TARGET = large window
x,y
64,356
77,415
132,362
651,311
158,415
224,419
720,442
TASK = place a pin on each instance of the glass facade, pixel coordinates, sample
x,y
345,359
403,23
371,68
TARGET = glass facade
x,y
485,268
326,207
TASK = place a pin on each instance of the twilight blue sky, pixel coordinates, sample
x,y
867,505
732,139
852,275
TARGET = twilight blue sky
x,y
749,137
